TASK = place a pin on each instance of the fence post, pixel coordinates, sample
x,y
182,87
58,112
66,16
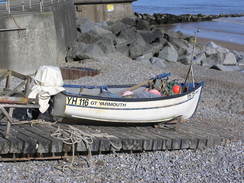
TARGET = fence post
x,y
8,6
23,6
30,4
41,8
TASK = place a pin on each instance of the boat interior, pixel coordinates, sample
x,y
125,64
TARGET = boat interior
x,y
124,91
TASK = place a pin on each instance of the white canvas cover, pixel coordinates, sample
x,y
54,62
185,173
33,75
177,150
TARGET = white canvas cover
x,y
48,81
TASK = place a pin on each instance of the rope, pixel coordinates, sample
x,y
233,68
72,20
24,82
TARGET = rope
x,y
32,122
73,136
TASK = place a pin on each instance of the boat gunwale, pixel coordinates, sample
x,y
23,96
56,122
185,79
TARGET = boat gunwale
x,y
199,84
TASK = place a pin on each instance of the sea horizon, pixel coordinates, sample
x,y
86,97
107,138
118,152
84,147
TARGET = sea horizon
x,y
223,29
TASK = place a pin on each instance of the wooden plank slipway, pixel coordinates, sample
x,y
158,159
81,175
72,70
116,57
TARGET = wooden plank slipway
x,y
36,139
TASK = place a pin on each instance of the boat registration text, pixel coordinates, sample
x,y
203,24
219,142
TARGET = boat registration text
x,y
85,102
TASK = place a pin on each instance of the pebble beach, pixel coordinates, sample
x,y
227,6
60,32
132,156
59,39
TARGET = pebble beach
x,y
221,104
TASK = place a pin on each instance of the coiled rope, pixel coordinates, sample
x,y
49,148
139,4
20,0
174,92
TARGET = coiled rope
x,y
73,136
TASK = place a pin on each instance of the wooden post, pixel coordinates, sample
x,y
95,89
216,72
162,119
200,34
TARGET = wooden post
x,y
28,79
9,118
7,85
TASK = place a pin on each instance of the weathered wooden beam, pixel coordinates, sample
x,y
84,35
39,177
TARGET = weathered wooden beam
x,y
9,118
8,80
15,29
19,75
13,100
20,106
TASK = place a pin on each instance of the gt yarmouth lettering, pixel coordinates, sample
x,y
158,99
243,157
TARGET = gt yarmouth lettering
x,y
86,102
112,104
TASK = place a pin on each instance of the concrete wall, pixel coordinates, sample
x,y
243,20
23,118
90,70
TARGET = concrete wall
x,y
44,42
104,12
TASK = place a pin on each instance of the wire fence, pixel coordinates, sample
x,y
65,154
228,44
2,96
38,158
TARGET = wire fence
x,y
23,6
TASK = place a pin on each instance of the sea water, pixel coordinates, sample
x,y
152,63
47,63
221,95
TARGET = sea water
x,y
224,29
189,6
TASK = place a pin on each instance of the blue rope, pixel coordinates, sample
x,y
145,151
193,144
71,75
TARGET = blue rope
x,y
160,76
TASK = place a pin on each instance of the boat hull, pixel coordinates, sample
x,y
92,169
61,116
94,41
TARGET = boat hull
x,y
129,110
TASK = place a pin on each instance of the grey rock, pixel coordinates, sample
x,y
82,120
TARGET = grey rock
x,y
85,25
200,59
182,46
156,48
168,53
136,50
131,21
225,68
142,24
103,25
81,51
185,59
149,60
160,63
239,55
241,62
138,47
106,44
122,46
118,27
212,48
144,57
89,37
155,36
229,59
213,59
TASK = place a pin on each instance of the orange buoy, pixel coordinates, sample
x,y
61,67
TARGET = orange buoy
x,y
176,89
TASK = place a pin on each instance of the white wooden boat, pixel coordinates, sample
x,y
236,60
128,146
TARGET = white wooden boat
x,y
89,105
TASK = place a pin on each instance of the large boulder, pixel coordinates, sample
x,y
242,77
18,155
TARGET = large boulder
x,y
91,33
88,37
138,47
185,59
85,25
81,51
156,48
212,48
199,59
105,41
218,55
155,36
182,46
169,53
213,59
123,48
106,44
229,59
239,55
149,60
119,27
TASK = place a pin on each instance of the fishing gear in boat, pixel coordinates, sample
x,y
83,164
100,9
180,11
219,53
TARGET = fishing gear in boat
x,y
190,70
